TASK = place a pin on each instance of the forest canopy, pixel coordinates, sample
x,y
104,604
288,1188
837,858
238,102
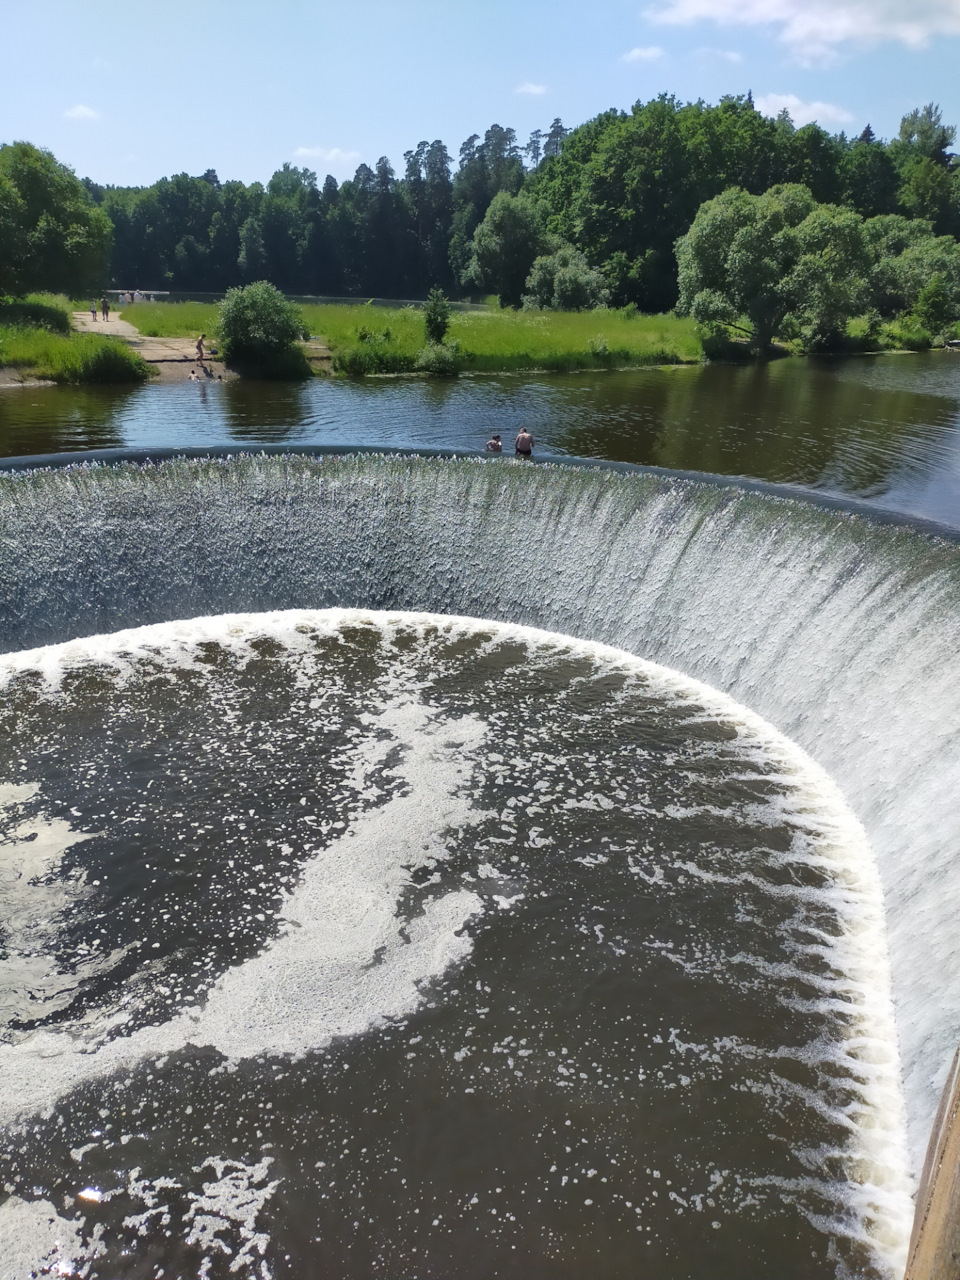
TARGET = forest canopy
x,y
599,209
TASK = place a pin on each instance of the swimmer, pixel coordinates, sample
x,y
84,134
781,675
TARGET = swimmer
x,y
495,445
523,445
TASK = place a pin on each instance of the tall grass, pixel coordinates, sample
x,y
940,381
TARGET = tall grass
x,y
51,311
81,357
172,319
377,340
366,339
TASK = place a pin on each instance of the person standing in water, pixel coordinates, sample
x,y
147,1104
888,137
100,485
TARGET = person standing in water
x,y
495,445
523,445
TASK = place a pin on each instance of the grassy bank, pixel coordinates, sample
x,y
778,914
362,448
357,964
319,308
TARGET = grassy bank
x,y
79,357
171,319
365,339
36,339
375,340
369,340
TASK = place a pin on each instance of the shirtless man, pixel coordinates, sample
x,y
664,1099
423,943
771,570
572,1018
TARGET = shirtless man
x,y
523,445
495,445
200,349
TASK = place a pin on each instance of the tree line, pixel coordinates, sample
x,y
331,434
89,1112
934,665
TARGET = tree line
x,y
599,209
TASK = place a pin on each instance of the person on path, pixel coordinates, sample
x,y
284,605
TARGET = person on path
x,y
523,445
200,349
495,445
105,308
93,310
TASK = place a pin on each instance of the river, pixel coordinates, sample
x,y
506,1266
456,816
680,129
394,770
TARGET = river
x,y
885,428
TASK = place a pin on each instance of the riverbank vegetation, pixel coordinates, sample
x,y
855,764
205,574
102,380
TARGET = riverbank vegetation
x,y
37,341
782,267
622,212
365,339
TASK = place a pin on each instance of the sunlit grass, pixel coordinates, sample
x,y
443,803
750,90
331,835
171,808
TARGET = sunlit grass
x,y
366,339
51,311
79,357
171,319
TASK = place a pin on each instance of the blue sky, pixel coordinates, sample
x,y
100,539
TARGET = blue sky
x,y
128,92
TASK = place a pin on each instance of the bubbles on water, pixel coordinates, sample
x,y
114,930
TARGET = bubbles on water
x,y
423,942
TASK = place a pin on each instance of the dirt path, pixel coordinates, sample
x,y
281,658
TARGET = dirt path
x,y
173,358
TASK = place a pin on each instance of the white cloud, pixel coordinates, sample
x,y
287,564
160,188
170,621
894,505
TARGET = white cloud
x,y
771,104
724,55
331,155
815,29
649,54
80,112
534,90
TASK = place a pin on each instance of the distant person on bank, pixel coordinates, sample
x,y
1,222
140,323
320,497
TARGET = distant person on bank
x,y
200,349
523,445
495,445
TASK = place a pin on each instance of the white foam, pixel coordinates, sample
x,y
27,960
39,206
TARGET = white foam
x,y
34,1236
33,894
314,982
341,963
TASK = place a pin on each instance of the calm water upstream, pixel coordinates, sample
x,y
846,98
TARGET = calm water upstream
x,y
886,429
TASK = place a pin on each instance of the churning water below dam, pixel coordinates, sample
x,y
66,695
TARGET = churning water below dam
x,y
440,867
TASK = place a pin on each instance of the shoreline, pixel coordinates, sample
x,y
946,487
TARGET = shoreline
x,y
177,368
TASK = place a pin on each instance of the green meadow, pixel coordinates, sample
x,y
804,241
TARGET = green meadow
x,y
364,339
37,339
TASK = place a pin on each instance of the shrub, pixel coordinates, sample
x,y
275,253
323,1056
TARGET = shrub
x,y
259,331
936,305
436,316
439,359
565,281
38,310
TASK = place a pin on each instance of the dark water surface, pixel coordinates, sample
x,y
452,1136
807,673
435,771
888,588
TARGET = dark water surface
x,y
356,946
885,429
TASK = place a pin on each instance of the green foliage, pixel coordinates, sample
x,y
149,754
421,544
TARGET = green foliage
x,y
486,168
259,331
81,357
436,316
923,133
907,255
776,265
172,319
497,341
931,192
621,189
505,245
439,359
565,281
937,305
37,310
53,237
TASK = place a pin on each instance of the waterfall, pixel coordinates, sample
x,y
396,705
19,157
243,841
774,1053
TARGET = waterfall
x,y
841,631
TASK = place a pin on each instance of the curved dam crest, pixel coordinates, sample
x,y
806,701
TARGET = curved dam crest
x,y
841,632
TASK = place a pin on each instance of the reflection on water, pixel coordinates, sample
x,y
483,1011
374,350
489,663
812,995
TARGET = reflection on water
x,y
884,428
